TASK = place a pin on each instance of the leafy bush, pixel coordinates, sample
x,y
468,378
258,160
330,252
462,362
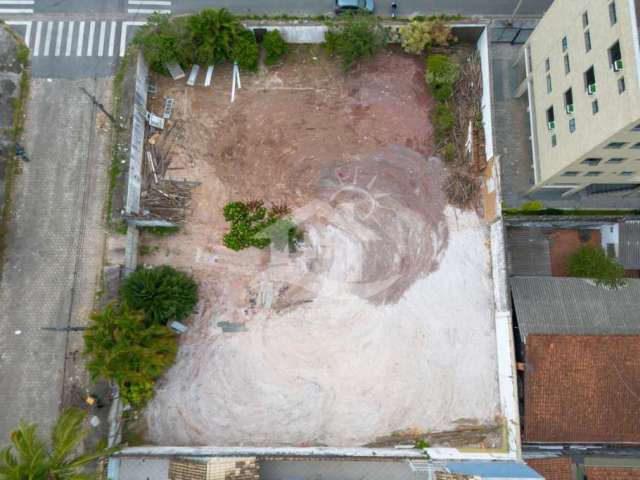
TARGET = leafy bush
x,y
592,262
274,46
209,37
441,76
450,152
444,121
355,38
252,225
123,346
246,51
213,35
532,206
419,35
421,444
159,40
162,293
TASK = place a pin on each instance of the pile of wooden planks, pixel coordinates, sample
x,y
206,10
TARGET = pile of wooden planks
x,y
169,200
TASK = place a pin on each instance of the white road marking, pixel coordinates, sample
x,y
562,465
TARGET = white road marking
x,y
59,38
112,38
80,39
47,40
36,44
27,24
103,28
92,31
16,2
67,52
146,11
16,10
27,35
150,2
123,35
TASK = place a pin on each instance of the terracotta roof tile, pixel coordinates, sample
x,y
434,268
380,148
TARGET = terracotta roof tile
x,y
582,388
553,468
610,473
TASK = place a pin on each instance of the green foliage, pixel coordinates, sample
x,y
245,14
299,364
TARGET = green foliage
x,y
444,121
252,225
127,348
592,262
22,55
355,38
246,51
532,206
160,41
421,444
450,152
162,293
208,37
274,46
161,231
419,35
441,76
29,457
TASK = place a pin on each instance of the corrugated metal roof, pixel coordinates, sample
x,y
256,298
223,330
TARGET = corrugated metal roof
x,y
575,306
629,246
528,251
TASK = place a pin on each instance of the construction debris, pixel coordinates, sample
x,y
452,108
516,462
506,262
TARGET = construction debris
x,y
461,189
170,200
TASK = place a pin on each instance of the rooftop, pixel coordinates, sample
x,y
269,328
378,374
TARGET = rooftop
x,y
612,473
582,389
574,306
553,468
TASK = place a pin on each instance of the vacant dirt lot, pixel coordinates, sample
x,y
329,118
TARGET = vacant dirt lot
x,y
381,323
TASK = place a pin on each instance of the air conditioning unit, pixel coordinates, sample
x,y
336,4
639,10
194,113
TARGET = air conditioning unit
x,y
592,89
618,65
569,109
551,125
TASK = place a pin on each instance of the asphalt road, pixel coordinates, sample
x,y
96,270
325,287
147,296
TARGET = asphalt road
x,y
300,7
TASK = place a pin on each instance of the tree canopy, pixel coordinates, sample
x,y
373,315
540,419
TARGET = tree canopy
x,y
593,262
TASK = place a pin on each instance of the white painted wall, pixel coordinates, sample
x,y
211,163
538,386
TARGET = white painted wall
x,y
483,49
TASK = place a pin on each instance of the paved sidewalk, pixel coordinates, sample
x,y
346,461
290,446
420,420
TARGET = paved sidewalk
x,y
55,246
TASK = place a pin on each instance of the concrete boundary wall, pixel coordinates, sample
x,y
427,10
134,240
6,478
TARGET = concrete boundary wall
x,y
487,113
136,150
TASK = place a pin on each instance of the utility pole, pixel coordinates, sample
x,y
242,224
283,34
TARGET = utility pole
x,y
515,12
99,105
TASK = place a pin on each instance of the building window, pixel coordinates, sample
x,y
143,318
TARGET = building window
x,y
593,174
595,108
613,14
565,44
547,65
592,162
572,125
635,145
621,85
554,140
585,19
567,64
570,173
616,160
548,83
551,117
615,145
568,101
626,174
615,54
587,41
589,80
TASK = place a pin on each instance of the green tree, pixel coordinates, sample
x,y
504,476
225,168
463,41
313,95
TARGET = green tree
x,y
274,46
125,347
162,293
160,41
246,51
419,35
356,37
213,33
592,262
29,457
441,76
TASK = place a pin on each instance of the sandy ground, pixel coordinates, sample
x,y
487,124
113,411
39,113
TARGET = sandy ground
x,y
382,322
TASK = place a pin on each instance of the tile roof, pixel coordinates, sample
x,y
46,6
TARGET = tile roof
x,y
582,389
612,473
629,244
552,468
574,306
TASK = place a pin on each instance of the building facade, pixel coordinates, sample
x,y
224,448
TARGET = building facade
x,y
582,66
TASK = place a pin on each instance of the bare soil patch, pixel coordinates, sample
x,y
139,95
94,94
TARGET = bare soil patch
x,y
382,322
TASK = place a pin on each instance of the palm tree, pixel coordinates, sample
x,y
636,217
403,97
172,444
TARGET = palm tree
x,y
30,458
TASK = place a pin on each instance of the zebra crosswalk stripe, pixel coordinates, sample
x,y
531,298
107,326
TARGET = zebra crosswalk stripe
x,y
103,28
92,31
47,39
36,44
112,38
59,38
67,52
80,39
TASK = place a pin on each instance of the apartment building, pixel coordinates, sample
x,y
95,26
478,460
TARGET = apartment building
x,y
582,66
